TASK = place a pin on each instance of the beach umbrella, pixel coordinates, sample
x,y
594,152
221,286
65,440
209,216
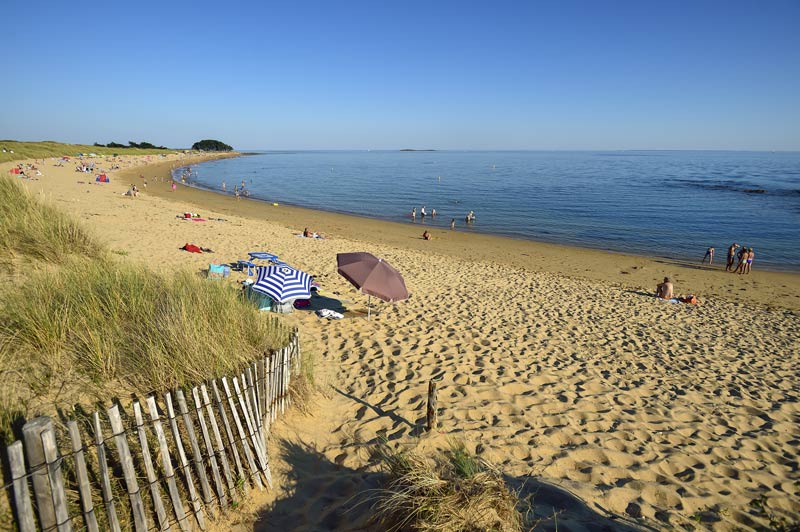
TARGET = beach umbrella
x,y
283,283
372,276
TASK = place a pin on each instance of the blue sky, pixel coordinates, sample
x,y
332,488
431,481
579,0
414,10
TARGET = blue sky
x,y
445,75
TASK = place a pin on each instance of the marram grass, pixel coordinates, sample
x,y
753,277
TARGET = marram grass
x,y
100,322
38,231
453,492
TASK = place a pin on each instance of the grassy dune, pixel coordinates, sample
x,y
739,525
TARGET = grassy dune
x,y
82,325
47,148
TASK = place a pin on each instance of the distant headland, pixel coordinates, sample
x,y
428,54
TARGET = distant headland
x,y
411,149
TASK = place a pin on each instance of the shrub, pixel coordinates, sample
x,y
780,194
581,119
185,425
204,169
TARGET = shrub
x,y
455,491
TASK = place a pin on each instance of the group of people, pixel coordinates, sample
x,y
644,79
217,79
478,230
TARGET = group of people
x,y
422,212
745,256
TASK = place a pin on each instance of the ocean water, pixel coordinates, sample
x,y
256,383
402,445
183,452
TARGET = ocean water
x,y
660,203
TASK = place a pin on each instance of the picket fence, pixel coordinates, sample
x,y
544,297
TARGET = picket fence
x,y
224,423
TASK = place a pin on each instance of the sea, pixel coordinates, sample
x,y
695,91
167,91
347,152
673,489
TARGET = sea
x,y
672,204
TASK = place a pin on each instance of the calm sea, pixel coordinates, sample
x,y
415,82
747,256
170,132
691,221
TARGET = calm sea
x,y
660,203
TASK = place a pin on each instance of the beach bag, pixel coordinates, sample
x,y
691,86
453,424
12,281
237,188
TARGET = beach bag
x,y
218,271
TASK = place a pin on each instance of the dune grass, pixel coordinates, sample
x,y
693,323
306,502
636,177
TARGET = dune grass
x,y
453,492
79,324
41,150
38,231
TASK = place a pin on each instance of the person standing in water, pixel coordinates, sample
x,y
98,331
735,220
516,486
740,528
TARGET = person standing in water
x,y
453,224
414,214
709,255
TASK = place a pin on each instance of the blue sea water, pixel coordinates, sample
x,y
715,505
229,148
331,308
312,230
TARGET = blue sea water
x,y
656,203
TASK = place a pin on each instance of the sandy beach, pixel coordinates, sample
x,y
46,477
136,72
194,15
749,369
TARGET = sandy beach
x,y
557,363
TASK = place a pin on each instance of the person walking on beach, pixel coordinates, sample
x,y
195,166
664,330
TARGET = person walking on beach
x,y
174,186
731,257
453,224
709,255
664,290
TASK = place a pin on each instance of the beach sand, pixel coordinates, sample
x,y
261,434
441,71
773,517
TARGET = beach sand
x,y
556,363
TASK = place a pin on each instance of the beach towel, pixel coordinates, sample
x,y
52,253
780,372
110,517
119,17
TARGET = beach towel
x,y
330,314
191,248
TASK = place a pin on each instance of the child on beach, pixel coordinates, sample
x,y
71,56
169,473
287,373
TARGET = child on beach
x,y
426,235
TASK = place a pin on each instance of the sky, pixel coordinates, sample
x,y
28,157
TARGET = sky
x,y
558,75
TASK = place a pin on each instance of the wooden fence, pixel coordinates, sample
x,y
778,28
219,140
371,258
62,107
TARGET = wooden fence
x,y
164,464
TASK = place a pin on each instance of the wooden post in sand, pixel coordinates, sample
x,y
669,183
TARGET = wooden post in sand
x,y
432,406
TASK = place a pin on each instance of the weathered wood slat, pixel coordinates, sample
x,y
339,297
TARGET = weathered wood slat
x,y
242,435
184,463
247,410
53,461
82,475
197,455
22,496
105,479
231,439
232,481
152,479
166,465
32,435
201,419
274,391
128,471
251,384
249,414
262,393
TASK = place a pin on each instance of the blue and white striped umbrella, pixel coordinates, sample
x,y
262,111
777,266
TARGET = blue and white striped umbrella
x,y
283,283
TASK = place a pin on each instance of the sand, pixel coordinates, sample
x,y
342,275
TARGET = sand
x,y
557,364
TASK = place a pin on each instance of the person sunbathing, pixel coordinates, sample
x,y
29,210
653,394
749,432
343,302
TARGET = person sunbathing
x,y
664,290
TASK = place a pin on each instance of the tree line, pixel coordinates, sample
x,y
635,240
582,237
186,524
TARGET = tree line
x,y
131,144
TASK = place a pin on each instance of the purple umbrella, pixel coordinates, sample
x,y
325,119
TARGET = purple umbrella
x,y
373,276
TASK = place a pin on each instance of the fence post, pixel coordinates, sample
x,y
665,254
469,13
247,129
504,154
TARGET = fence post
x,y
85,489
22,497
32,435
432,403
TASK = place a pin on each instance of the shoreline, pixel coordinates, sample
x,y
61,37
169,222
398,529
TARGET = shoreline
x,y
641,273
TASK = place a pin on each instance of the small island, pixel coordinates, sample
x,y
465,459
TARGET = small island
x,y
211,145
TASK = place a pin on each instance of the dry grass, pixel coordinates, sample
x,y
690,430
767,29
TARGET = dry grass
x,y
44,149
38,231
454,491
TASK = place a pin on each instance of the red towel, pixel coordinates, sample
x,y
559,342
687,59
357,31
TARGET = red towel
x,y
191,248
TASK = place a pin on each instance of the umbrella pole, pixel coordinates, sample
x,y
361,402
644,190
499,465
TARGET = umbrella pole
x,y
369,308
